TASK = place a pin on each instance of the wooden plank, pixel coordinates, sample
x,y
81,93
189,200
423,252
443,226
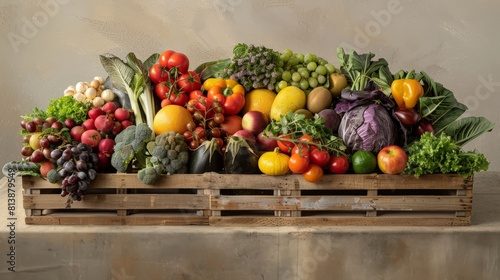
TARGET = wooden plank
x,y
162,220
342,203
339,221
120,201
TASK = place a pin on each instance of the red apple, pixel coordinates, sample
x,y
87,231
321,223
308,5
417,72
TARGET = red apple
x,y
45,167
246,134
91,137
254,121
266,144
392,159
76,132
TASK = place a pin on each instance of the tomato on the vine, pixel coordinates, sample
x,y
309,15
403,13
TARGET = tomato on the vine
x,y
194,94
162,89
164,57
338,164
285,146
189,81
219,118
301,149
178,62
158,74
319,156
165,102
313,173
298,163
178,98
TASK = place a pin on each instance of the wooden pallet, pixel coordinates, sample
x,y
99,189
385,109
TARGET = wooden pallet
x,y
258,200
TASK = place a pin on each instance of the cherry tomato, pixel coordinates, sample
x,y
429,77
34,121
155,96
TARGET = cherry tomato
x,y
220,142
158,74
306,138
215,132
188,135
200,132
285,146
178,62
194,144
313,173
189,81
338,165
319,156
164,57
297,163
219,118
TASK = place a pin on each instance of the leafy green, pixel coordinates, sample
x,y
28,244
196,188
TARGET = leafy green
x,y
360,69
212,69
441,110
67,107
467,129
37,113
440,154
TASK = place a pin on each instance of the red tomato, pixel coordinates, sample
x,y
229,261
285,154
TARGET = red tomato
x,y
164,57
158,74
178,98
165,102
297,163
319,156
285,146
313,173
188,82
306,137
163,89
194,94
178,61
301,150
338,165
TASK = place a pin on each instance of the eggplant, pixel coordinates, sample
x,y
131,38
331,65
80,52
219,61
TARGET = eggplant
x,y
241,156
207,157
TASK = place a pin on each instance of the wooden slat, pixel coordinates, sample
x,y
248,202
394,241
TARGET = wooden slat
x,y
342,203
120,201
117,220
339,221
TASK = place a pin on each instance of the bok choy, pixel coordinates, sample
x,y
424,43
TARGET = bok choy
x,y
131,77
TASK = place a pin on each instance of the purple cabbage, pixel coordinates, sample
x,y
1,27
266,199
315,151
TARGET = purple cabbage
x,y
365,124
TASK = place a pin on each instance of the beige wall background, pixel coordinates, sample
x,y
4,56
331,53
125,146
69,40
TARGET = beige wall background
x,y
47,45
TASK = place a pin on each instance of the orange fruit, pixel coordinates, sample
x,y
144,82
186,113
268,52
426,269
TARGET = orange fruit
x,y
231,124
172,118
259,100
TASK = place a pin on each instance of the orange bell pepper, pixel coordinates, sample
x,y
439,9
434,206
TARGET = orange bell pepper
x,y
229,93
407,92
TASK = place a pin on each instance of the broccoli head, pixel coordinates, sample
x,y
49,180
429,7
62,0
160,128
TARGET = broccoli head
x,y
148,175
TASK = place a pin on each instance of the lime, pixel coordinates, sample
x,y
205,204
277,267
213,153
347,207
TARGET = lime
x,y
364,162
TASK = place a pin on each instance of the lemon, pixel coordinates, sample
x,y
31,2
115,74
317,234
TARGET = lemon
x,y
289,99
259,100
364,162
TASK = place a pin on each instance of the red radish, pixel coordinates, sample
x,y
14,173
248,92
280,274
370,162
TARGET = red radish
x,y
104,124
106,146
95,112
126,123
109,107
122,114
91,137
117,128
76,132
88,124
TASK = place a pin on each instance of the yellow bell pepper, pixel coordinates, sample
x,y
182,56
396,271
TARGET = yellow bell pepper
x,y
407,92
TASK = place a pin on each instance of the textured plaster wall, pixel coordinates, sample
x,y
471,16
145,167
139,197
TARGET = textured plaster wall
x,y
47,45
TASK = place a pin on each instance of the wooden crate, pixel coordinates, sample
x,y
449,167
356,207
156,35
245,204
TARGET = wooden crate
x,y
258,200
